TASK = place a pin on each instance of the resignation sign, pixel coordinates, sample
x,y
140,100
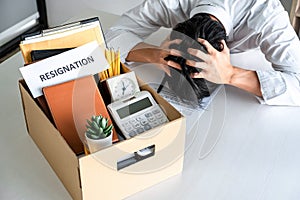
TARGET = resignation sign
x,y
70,65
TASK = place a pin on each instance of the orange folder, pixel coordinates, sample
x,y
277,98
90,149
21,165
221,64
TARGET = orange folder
x,y
71,104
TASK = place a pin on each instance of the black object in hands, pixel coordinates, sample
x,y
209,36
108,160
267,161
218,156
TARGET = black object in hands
x,y
185,87
199,26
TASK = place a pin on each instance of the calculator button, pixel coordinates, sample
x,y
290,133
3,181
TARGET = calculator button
x,y
132,121
128,128
132,133
148,115
147,127
143,122
154,124
155,111
139,130
151,119
140,118
163,120
159,115
125,125
137,125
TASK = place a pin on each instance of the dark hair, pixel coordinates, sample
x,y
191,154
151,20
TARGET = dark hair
x,y
199,26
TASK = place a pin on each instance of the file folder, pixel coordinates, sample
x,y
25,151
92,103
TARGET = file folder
x,y
66,36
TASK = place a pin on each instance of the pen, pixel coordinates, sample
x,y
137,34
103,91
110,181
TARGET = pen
x,y
162,83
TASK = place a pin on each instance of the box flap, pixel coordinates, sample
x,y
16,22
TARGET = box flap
x,y
52,145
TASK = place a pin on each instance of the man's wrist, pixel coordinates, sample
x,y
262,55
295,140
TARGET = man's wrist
x,y
157,55
233,75
144,52
246,80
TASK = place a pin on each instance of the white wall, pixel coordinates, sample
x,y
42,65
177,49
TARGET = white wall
x,y
60,11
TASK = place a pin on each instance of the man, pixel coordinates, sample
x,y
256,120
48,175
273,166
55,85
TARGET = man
x,y
248,24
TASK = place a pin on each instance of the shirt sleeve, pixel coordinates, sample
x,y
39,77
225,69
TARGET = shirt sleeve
x,y
137,24
280,88
281,47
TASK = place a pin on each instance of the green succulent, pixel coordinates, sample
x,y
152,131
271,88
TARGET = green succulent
x,y
98,128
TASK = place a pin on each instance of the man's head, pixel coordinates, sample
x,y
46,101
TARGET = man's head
x,y
199,26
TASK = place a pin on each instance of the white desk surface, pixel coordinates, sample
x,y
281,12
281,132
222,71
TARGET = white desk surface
x,y
256,157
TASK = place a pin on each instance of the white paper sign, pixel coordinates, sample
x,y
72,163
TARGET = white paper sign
x,y
85,60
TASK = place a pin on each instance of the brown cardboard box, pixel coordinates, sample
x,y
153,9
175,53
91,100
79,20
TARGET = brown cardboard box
x,y
96,176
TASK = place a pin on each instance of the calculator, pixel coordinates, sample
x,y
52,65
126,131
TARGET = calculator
x,y
138,114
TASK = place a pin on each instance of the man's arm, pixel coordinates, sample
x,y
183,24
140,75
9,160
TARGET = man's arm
x,y
216,68
275,87
228,74
137,24
246,80
144,52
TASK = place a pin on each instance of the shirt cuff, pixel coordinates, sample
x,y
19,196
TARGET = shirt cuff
x,y
272,84
281,89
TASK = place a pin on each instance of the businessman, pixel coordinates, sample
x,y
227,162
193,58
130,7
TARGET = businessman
x,y
248,24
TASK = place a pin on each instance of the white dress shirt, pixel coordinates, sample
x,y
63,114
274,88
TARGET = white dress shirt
x,y
249,24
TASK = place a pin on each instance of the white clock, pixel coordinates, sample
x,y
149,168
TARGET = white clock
x,y
122,86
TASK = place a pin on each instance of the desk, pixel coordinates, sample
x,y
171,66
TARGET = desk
x,y
256,156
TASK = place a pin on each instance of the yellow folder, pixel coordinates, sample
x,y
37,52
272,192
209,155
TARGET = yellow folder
x,y
66,36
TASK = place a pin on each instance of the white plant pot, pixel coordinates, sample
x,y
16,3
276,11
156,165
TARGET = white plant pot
x,y
96,145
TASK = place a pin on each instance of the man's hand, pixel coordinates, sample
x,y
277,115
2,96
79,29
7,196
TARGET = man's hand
x,y
144,52
165,46
216,66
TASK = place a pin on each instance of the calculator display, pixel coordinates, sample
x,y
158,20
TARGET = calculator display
x,y
134,108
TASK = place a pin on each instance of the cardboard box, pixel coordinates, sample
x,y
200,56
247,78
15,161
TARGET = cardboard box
x,y
96,176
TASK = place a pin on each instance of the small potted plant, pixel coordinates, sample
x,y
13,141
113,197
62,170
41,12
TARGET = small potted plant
x,y
98,134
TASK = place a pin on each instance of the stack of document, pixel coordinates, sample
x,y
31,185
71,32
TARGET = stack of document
x,y
191,112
